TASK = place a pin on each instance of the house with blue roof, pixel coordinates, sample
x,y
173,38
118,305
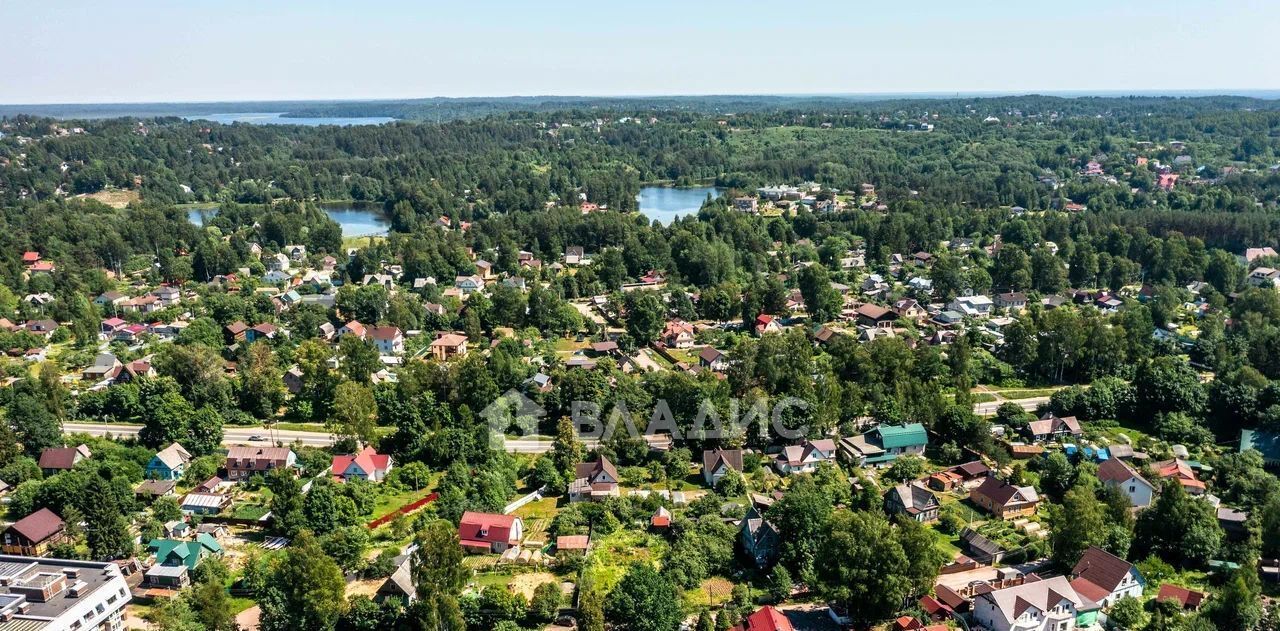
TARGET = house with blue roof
x,y
1266,443
882,445
169,464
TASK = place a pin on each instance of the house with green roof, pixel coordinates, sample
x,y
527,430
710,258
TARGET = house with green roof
x,y
1266,443
175,559
881,445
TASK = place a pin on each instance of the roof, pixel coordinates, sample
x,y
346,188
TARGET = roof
x,y
572,542
765,619
258,453
1188,598
173,456
592,470
155,487
911,434
712,458
1115,470
972,469
368,460
1101,568
385,332
62,457
873,312
1044,595
486,528
204,500
39,525
1003,493
710,355
1051,423
449,340
914,497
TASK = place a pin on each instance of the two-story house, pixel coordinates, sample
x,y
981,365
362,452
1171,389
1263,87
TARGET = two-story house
x,y
169,463
882,445
806,457
243,462
1045,605
595,481
1114,472
1105,578
1004,500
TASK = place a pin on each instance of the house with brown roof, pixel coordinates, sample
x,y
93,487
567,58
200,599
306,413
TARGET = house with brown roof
x,y
243,461
713,360
55,460
804,458
1012,301
354,327
1004,500
1114,472
913,500
487,532
388,339
1186,598
572,545
1105,578
677,334
595,481
448,345
1052,427
875,316
34,534
717,463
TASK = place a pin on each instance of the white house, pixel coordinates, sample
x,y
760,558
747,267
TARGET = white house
x,y
972,306
388,339
1115,472
1105,578
805,458
1046,605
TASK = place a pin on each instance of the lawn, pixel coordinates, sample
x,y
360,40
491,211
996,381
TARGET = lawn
x,y
982,397
1015,395
614,553
389,502
544,508
713,592
251,504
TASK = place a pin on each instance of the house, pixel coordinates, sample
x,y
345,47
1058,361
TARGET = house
x,y
1105,578
1052,427
677,334
913,499
295,252
55,460
764,619
661,519
34,534
149,490
1264,277
468,285
1114,472
1233,522
882,445
196,503
980,548
486,532
243,462
278,262
1045,605
354,327
767,324
1178,470
716,463
713,360
1013,301
875,316
388,339
971,474
110,298
400,584
1253,254
1186,598
595,481
209,486
760,538
176,559
368,465
910,310
1266,443
804,458
169,463
572,545
448,345
105,367
167,296
574,255
1004,500
972,306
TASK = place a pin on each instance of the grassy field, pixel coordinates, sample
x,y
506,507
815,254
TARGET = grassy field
x,y
389,502
713,592
1015,395
615,552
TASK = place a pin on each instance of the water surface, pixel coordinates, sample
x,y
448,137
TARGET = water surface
x,y
356,220
278,118
664,203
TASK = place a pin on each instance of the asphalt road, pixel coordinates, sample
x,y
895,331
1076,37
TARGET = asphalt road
x,y
243,435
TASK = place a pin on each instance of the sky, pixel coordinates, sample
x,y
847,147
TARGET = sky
x,y
136,51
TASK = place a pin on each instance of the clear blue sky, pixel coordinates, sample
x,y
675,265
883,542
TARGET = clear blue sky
x,y
83,51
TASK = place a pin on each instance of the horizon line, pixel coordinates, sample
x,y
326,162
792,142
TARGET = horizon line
x,y
933,94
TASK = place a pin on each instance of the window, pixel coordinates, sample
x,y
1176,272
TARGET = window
x,y
1133,488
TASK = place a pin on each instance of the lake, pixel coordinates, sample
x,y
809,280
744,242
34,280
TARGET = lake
x,y
278,118
356,221
664,203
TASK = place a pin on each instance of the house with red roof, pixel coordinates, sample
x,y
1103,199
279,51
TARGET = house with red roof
x,y
368,465
30,258
678,334
765,619
1179,470
487,532
766,323
388,339
1186,598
